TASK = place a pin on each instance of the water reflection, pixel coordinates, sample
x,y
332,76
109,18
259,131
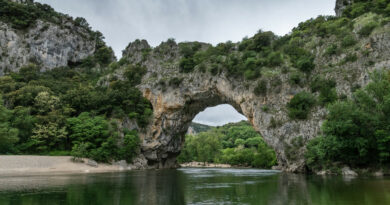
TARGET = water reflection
x,y
193,186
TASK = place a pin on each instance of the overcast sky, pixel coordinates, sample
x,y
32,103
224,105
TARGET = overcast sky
x,y
219,115
212,21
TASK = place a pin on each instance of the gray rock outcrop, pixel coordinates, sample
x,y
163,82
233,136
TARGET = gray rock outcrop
x,y
341,5
175,106
45,44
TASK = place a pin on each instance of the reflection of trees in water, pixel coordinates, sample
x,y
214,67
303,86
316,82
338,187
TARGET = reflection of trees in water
x,y
159,187
291,189
175,187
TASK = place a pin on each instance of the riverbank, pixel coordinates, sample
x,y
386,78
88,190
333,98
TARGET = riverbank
x,y
26,165
204,165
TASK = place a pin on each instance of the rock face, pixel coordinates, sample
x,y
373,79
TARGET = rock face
x,y
341,5
44,43
176,104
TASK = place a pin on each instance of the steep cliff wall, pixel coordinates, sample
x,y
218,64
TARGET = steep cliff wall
x,y
178,96
47,43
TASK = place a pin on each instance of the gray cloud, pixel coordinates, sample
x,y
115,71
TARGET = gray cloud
x,y
212,21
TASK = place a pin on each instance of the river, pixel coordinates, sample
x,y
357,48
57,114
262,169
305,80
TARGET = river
x,y
193,186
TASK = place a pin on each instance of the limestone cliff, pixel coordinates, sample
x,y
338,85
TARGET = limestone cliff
x,y
49,44
177,97
341,5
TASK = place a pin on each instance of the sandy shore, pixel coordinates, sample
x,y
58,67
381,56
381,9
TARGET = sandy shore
x,y
26,165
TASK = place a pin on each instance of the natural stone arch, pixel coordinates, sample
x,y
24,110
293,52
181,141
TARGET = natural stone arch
x,y
175,106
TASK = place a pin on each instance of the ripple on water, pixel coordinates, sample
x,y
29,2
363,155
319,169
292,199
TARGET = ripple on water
x,y
212,172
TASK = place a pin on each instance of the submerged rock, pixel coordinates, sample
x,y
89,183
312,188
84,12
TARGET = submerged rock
x,y
346,171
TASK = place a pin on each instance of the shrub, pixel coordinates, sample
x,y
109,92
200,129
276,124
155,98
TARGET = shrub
x,y
331,50
327,90
320,83
262,40
261,88
300,105
130,146
275,59
175,82
351,57
295,78
327,96
80,151
104,55
187,65
305,63
134,74
348,41
367,29
214,70
301,59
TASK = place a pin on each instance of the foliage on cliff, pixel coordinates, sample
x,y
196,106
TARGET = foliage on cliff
x,y
356,131
234,143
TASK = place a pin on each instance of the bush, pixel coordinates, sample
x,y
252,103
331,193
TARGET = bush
x,y
367,29
300,105
275,59
175,82
187,65
331,50
348,41
104,55
319,83
130,146
305,63
262,40
327,90
261,88
300,58
295,78
327,96
350,58
134,74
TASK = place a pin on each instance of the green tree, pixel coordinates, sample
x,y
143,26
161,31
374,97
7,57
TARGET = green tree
x,y
48,137
300,105
356,131
8,134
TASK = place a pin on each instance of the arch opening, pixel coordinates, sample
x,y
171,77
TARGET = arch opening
x,y
221,136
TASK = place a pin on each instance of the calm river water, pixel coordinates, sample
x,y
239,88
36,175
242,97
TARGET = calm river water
x,y
193,186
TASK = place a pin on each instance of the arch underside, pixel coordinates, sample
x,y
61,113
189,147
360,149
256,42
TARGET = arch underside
x,y
175,108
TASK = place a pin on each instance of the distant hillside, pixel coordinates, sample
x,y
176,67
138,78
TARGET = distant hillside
x,y
197,127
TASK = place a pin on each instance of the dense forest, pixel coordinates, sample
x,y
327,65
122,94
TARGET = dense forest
x,y
235,143
64,111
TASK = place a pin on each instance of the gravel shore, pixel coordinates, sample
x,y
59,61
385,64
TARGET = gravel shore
x,y
23,165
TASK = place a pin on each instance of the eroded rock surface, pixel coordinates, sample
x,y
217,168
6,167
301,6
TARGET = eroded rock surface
x,y
175,105
45,44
